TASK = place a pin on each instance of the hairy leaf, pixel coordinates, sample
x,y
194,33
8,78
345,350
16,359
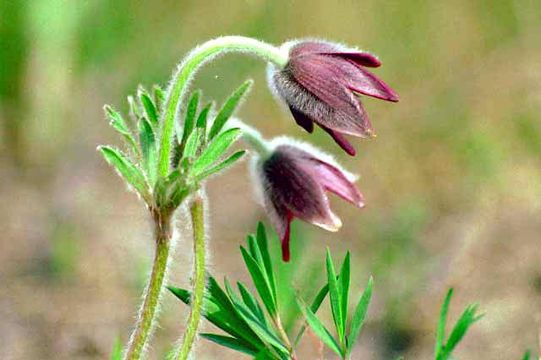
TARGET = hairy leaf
x,y
228,108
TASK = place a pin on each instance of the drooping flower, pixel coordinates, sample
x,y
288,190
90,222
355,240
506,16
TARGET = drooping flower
x,y
322,83
293,182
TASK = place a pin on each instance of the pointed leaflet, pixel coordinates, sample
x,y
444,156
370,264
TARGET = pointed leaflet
x,y
117,122
263,245
135,111
189,119
266,334
261,283
201,122
148,106
343,285
159,97
148,149
215,150
251,302
335,296
228,108
231,343
440,332
314,307
221,166
126,169
467,319
320,330
359,316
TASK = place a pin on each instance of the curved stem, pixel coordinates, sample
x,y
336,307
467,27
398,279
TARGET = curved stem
x,y
147,314
252,137
187,69
196,301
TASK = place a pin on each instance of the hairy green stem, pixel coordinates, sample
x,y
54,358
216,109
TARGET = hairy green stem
x,y
187,69
146,319
253,137
196,302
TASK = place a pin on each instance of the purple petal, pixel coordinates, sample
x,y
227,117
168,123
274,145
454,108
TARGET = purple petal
x,y
335,181
341,141
368,84
359,58
302,120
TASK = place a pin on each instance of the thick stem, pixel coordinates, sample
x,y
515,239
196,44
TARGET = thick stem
x,y
196,302
146,320
283,335
187,69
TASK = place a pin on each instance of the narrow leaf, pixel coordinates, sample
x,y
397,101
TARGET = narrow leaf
x,y
231,343
221,166
149,107
260,282
119,124
263,245
215,150
126,169
344,279
192,144
335,296
189,119
251,302
314,307
159,97
228,108
148,149
359,315
466,320
320,330
116,354
440,332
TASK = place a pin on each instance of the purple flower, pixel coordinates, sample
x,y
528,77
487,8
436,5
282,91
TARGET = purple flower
x,y
321,84
293,182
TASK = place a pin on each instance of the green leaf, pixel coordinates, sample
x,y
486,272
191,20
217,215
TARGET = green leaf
x,y
135,110
221,166
440,332
314,307
228,108
116,354
148,149
467,319
117,122
527,355
215,150
251,302
343,285
263,245
231,343
265,333
260,282
189,119
201,122
126,169
335,296
192,144
149,107
159,97
320,330
359,316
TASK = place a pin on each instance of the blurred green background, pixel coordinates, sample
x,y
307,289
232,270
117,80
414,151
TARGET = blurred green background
x,y
452,182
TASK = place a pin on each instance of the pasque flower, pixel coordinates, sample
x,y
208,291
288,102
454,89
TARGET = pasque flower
x,y
293,180
321,84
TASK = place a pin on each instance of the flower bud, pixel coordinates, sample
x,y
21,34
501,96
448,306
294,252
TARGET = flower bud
x,y
322,83
293,182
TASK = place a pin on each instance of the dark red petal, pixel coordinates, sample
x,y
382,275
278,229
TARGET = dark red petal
x,y
340,140
302,120
335,181
368,84
286,254
359,58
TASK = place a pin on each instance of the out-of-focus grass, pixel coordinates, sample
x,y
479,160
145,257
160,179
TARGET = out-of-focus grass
x,y
455,161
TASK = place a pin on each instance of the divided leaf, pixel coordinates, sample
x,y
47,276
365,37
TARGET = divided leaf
x,y
119,124
359,316
149,151
320,330
228,108
126,169
215,150
335,297
221,166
